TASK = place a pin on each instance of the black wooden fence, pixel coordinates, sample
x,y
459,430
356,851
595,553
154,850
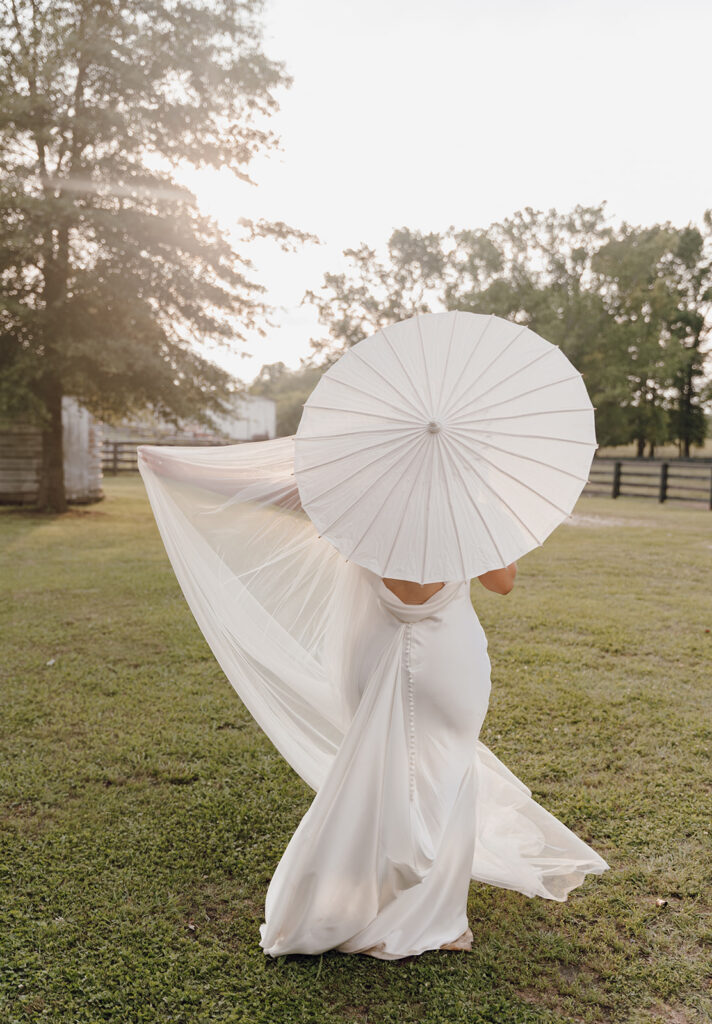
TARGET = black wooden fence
x,y
664,480
121,456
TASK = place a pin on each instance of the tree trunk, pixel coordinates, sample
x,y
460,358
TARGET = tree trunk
x,y
688,392
640,442
51,496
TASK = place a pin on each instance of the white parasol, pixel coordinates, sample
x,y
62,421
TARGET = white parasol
x,y
444,446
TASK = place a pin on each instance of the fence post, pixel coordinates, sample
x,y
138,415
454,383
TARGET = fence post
x,y
115,461
616,479
711,490
663,480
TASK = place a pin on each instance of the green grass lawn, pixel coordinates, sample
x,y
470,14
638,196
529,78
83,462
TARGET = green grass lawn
x,y
144,812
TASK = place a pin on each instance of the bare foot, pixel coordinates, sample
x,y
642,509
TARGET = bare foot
x,y
463,942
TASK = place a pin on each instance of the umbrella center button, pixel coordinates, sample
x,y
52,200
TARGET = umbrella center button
x,y
435,426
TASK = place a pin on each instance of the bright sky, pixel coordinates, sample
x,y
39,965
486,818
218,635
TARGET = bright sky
x,y
424,114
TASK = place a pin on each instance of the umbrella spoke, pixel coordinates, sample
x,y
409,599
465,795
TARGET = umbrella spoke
x,y
360,412
523,394
529,458
476,507
363,448
404,509
385,379
497,496
425,363
408,377
514,373
455,397
447,363
452,512
534,437
480,375
388,495
512,477
362,391
427,509
519,416
367,465
350,433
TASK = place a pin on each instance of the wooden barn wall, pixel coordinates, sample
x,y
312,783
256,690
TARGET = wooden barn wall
x,y
21,454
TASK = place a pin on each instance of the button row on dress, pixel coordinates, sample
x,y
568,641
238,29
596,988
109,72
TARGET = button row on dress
x,y
411,713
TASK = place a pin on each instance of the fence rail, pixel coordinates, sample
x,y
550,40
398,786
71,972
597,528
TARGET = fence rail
x,y
122,457
665,480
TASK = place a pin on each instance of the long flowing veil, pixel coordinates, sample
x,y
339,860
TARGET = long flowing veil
x,y
275,602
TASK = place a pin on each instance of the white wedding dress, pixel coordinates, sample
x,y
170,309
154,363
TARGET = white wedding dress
x,y
375,703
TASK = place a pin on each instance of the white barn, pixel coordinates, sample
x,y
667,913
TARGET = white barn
x,y
254,419
251,418
21,457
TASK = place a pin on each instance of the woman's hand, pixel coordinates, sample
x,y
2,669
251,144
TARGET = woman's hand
x,y
500,581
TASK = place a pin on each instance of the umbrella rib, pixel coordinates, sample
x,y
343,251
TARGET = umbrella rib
x,y
381,506
341,458
530,458
499,498
425,364
452,516
427,508
383,377
359,412
521,415
350,433
554,348
405,371
517,480
366,465
469,359
354,387
476,506
458,407
535,437
406,503
523,394
447,362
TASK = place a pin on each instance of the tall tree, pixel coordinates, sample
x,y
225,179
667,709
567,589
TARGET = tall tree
x,y
635,271
689,272
375,292
109,273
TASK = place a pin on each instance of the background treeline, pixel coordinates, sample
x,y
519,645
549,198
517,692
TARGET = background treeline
x,y
630,306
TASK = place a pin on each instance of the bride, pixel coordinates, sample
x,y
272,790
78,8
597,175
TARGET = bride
x,y
375,691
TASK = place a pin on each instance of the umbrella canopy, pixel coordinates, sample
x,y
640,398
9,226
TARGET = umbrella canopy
x,y
444,446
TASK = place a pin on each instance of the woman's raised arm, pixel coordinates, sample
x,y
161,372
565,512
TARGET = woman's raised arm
x,y
500,581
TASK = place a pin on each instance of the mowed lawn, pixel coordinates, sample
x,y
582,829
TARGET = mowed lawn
x,y
143,812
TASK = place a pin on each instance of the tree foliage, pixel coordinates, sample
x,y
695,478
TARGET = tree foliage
x,y
630,306
110,275
289,389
